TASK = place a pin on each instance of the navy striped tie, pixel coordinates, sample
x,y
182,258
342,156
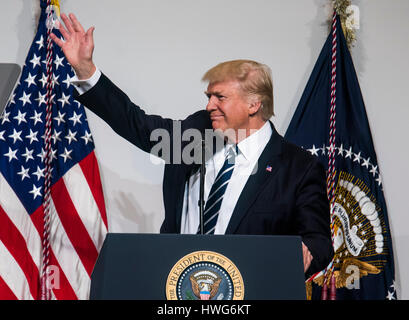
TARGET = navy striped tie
x,y
214,201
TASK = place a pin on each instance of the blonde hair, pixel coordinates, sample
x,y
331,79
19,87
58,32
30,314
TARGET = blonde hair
x,y
254,78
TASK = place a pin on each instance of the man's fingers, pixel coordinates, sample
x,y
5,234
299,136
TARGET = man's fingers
x,y
64,32
90,34
57,40
307,257
67,23
77,26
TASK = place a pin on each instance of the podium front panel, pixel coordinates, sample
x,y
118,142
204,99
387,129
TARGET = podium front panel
x,y
138,266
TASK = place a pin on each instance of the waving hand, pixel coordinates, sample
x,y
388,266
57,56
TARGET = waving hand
x,y
77,46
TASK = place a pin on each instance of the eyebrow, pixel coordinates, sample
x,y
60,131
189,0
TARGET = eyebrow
x,y
213,93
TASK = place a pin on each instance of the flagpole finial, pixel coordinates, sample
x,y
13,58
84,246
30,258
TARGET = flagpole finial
x,y
349,16
56,7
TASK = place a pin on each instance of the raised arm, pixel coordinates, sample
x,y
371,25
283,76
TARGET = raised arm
x,y
77,45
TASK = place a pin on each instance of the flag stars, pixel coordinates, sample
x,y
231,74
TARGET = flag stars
x,y
379,180
87,137
365,163
16,136
12,101
53,156
374,170
42,154
58,61
23,141
39,173
25,98
331,149
67,81
20,117
41,98
24,173
60,118
40,43
28,154
391,295
357,157
348,153
341,150
76,118
313,150
36,192
5,117
55,80
36,117
66,155
56,136
35,61
323,150
30,80
71,136
43,80
11,154
64,100
32,136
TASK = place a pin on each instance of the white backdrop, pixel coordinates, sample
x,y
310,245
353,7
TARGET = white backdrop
x,y
158,50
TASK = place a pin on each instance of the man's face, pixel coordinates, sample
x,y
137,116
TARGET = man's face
x,y
227,106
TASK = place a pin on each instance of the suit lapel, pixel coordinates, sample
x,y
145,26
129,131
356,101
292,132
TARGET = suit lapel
x,y
255,183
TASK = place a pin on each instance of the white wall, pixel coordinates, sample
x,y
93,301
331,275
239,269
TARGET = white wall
x,y
157,51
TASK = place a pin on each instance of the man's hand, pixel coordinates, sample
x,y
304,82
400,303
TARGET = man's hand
x,y
307,257
77,46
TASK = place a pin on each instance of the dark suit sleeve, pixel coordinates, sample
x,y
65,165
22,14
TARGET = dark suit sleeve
x,y
107,101
313,216
128,120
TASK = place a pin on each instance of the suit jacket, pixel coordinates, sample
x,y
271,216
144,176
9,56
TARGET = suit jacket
x,y
290,199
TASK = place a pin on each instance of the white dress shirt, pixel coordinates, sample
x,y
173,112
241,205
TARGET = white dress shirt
x,y
83,86
249,150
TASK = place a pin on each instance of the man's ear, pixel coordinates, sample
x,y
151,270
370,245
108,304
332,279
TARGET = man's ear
x,y
254,107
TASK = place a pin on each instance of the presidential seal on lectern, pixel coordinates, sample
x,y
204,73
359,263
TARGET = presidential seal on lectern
x,y
204,275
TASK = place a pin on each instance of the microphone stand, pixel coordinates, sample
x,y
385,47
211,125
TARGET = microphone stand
x,y
201,190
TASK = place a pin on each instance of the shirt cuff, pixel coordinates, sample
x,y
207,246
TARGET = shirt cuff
x,y
85,85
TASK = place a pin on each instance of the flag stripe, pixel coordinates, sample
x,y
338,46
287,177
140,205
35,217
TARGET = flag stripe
x,y
73,226
65,291
89,166
67,257
12,275
20,218
16,245
85,205
5,291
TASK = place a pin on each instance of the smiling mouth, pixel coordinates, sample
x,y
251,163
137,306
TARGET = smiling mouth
x,y
215,117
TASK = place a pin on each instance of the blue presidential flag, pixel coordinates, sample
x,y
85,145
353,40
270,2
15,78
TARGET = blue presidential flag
x,y
331,123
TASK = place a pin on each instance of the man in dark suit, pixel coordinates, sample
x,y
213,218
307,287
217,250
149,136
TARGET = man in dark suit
x,y
256,182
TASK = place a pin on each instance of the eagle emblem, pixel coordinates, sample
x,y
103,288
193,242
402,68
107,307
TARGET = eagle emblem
x,y
205,284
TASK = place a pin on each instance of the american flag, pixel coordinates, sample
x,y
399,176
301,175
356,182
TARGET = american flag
x,y
78,222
